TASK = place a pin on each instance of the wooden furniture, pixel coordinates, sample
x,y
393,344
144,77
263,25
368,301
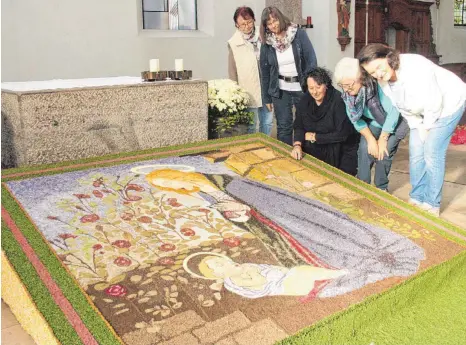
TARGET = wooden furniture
x,y
404,24
59,120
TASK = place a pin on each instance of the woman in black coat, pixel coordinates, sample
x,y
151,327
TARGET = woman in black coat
x,y
322,128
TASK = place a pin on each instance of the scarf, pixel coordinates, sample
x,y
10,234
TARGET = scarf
x,y
355,104
282,44
253,38
318,113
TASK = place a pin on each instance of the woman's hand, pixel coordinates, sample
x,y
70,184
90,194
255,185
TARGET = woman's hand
x,y
297,152
383,150
373,147
269,106
310,136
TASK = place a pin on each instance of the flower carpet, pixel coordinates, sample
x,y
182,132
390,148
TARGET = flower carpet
x,y
221,242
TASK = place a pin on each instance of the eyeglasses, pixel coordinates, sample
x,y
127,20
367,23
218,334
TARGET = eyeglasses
x,y
246,24
347,86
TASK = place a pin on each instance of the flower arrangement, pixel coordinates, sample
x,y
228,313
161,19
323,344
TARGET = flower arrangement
x,y
228,104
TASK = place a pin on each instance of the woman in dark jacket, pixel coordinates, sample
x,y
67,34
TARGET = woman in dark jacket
x,y
321,127
285,58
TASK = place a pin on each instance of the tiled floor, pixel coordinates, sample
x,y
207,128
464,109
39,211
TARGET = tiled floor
x,y
453,209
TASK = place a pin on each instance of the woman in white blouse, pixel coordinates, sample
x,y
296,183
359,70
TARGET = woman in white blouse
x,y
432,99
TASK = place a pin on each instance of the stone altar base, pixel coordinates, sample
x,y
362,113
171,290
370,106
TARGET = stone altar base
x,y
54,121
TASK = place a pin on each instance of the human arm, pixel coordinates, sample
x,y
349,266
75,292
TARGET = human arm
x,y
433,100
232,71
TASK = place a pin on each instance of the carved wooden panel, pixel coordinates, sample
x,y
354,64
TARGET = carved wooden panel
x,y
376,30
410,18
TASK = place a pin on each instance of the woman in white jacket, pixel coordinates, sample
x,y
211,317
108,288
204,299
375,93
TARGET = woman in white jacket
x,y
432,99
243,66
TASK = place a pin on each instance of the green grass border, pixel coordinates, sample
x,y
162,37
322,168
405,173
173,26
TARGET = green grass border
x,y
351,325
70,288
41,296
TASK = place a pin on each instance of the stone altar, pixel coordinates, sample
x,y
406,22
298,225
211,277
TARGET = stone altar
x,y
59,120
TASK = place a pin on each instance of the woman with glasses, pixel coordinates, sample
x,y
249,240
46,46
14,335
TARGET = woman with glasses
x,y
286,57
243,67
373,115
321,127
432,100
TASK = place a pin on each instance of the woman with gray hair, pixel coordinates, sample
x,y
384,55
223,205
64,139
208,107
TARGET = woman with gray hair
x,y
374,116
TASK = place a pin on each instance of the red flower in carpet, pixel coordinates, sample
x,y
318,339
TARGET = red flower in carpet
x,y
97,246
122,244
67,236
232,242
90,218
166,261
167,247
174,202
126,216
188,232
231,214
145,219
98,193
122,262
52,218
135,187
82,196
204,210
97,183
133,198
116,291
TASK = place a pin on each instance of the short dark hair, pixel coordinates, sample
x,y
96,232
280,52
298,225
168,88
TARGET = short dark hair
x,y
245,12
273,12
320,75
376,51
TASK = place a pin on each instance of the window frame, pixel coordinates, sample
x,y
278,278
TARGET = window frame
x,y
463,14
142,13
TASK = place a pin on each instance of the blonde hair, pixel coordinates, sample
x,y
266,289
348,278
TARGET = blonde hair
x,y
347,68
205,270
196,180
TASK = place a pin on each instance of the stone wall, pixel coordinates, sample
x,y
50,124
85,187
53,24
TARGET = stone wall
x,y
58,125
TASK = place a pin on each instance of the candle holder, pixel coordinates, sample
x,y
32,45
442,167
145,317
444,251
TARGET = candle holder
x,y
154,76
180,75
164,75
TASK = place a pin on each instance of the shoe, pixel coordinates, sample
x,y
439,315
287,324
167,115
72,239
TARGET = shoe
x,y
435,211
415,202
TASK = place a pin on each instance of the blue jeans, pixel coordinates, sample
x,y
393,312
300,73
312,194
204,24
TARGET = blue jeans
x,y
265,119
283,108
427,159
382,167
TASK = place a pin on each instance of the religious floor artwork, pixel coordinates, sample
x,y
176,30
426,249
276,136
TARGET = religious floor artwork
x,y
224,240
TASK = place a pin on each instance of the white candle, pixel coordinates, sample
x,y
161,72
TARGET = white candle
x,y
154,65
179,65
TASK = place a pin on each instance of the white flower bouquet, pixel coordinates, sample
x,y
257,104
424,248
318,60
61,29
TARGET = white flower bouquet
x,y
228,104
